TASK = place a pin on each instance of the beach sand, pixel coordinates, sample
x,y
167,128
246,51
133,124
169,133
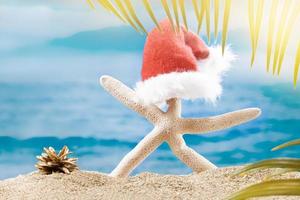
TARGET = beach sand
x,y
209,185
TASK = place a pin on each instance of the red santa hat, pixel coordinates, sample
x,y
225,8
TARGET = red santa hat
x,y
180,65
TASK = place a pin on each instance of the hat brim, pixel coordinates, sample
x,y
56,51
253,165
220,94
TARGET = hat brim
x,y
204,83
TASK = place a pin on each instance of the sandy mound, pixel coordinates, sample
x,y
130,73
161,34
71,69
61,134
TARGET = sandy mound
x,y
209,185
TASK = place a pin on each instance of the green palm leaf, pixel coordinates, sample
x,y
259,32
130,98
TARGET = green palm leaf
x,y
183,13
151,13
279,173
216,17
290,24
207,14
91,4
284,163
168,12
271,31
297,65
288,187
225,23
122,9
175,8
110,7
134,16
201,15
282,24
287,144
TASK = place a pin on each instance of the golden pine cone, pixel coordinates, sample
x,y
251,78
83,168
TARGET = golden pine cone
x,y
50,162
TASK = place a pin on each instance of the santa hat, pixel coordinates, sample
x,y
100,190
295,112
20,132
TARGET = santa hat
x,y
180,65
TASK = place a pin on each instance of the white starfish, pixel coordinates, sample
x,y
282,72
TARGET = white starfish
x,y
170,126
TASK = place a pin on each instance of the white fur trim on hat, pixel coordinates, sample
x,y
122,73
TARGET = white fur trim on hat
x,y
204,83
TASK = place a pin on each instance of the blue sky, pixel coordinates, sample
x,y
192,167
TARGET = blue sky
x,y
62,41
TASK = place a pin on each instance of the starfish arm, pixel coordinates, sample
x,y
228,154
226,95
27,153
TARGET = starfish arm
x,y
187,155
204,125
128,97
145,147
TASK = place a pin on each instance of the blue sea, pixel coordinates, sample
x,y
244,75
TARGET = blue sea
x,y
100,131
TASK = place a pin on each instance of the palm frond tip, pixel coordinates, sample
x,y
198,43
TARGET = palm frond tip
x,y
287,144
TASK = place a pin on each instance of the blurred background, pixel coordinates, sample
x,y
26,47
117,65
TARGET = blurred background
x,y
52,54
